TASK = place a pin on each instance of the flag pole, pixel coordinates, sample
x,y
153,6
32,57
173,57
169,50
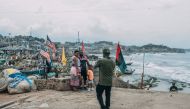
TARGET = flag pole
x,y
78,40
142,79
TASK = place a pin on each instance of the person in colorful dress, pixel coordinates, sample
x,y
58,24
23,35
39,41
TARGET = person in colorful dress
x,y
75,71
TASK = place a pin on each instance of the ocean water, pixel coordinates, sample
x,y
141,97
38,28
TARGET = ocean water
x,y
169,66
166,67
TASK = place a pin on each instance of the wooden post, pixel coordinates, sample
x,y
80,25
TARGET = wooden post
x,y
142,79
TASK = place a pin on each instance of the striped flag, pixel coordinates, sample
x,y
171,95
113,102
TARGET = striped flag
x,y
64,59
50,44
45,55
53,56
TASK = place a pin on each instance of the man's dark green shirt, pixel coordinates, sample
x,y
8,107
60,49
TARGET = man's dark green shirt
x,y
106,69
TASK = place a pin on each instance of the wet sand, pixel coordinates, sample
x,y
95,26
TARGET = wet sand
x,y
120,99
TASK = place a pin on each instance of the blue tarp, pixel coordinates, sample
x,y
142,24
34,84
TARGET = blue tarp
x,y
18,77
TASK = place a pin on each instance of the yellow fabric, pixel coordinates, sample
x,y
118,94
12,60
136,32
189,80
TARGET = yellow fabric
x,y
11,71
64,59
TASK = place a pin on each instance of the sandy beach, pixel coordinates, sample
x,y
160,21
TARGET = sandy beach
x,y
121,99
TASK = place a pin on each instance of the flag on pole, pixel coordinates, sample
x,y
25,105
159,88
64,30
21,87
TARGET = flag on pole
x,y
45,55
83,50
64,59
50,44
120,62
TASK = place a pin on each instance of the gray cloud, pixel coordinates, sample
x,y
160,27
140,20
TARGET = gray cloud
x,y
128,21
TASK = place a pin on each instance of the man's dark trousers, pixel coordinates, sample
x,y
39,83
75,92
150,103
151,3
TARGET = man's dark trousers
x,y
99,91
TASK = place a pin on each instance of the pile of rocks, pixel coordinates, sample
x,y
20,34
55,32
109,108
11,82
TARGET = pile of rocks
x,y
60,84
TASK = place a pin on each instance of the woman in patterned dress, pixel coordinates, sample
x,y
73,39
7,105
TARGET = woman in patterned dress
x,y
75,71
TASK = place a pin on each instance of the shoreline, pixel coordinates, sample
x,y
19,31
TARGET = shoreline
x,y
158,84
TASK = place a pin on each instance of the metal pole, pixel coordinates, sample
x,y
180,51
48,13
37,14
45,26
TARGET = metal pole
x,y
31,31
78,41
9,39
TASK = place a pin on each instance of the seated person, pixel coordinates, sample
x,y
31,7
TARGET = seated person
x,y
173,88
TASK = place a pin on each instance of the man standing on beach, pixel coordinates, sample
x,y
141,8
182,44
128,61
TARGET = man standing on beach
x,y
48,68
83,64
106,68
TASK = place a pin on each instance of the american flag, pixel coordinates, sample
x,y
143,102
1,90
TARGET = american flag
x,y
50,44
45,54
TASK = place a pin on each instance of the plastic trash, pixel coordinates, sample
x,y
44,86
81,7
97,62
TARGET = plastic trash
x,y
3,84
19,84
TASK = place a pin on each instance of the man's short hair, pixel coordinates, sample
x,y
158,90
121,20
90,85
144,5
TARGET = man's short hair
x,y
76,51
106,51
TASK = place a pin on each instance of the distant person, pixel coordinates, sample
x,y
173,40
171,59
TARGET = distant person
x,y
106,68
90,75
48,68
75,71
173,88
11,63
83,64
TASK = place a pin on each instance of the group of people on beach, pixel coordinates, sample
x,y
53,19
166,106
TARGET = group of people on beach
x,y
82,69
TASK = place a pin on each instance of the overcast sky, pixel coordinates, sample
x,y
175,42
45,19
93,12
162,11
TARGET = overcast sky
x,y
131,22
